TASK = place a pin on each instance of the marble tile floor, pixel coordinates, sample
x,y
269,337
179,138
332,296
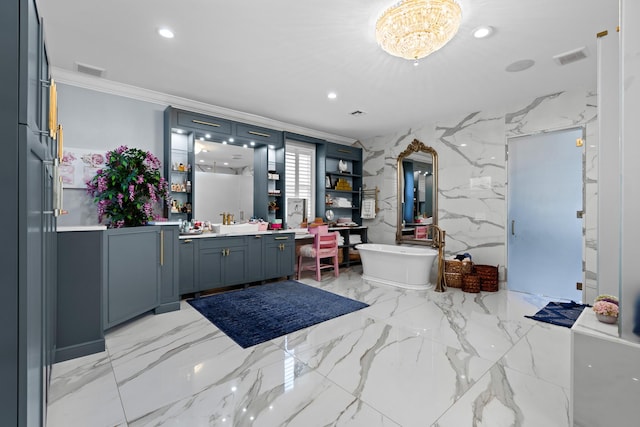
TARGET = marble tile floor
x,y
413,358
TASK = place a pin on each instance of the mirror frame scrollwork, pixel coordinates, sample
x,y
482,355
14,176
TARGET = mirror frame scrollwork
x,y
415,146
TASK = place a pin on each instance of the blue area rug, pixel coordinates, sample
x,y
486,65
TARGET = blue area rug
x,y
560,313
261,313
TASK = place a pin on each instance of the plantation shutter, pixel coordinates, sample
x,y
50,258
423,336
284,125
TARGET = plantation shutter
x,y
300,181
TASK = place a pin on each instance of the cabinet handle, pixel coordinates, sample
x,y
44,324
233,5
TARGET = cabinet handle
x,y
187,241
161,248
257,236
200,122
223,252
281,238
340,150
266,135
228,251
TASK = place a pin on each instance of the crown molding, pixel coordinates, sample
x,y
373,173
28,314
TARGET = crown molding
x,y
98,84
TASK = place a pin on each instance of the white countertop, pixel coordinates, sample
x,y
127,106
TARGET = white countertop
x,y
207,235
81,228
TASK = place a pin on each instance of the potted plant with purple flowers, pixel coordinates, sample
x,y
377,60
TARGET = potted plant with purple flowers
x,y
129,187
606,308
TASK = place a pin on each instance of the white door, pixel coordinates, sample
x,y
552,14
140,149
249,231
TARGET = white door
x,y
544,244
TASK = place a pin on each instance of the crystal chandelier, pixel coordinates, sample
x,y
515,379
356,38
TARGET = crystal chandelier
x,y
413,29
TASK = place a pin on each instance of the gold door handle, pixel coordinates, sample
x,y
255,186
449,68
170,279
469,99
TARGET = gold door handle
x,y
281,238
224,252
228,252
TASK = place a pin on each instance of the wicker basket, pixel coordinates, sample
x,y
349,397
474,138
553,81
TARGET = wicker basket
x,y
455,266
471,283
453,280
488,277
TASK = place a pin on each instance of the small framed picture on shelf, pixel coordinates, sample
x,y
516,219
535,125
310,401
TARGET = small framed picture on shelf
x,y
327,181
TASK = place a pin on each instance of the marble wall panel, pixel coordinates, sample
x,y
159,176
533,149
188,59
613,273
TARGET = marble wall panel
x,y
473,178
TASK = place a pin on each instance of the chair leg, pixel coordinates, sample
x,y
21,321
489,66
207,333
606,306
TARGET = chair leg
x,y
318,278
336,272
299,267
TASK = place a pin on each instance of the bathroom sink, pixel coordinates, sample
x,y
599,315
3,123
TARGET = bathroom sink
x,y
235,228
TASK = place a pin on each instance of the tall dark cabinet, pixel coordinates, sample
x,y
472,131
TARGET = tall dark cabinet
x,y
27,223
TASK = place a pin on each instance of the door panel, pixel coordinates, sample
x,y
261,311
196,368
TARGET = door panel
x,y
544,233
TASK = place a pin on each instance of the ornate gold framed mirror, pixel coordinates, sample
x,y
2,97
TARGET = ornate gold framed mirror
x,y
417,193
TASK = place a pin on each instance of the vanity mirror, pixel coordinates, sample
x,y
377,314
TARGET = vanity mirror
x,y
417,168
224,177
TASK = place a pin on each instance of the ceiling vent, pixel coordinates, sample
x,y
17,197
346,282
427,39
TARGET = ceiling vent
x,y
90,69
357,113
571,56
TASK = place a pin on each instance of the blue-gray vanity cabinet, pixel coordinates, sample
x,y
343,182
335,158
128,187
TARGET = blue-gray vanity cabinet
x,y
279,255
169,269
221,262
187,259
133,273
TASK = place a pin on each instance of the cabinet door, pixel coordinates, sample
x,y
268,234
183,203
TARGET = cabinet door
x,y
344,152
234,265
204,123
257,134
187,266
170,269
210,274
132,286
279,256
254,258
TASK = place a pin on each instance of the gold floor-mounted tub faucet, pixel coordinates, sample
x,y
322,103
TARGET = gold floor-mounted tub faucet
x,y
438,242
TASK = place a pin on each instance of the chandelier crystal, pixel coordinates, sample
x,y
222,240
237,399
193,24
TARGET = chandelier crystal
x,y
413,29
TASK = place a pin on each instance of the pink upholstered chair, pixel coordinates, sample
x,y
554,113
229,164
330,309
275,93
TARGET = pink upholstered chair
x,y
325,245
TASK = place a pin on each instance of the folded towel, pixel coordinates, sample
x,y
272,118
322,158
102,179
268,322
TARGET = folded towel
x,y
368,209
354,239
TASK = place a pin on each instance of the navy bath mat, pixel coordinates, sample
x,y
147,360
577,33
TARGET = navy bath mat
x,y
560,313
261,313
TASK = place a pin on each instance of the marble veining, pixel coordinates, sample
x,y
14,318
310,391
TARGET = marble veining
x,y
412,358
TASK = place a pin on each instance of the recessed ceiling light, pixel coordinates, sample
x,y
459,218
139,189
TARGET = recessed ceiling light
x,y
205,151
482,32
244,145
208,136
166,33
201,161
226,163
463,145
201,138
520,65
332,95
224,142
180,131
272,146
231,139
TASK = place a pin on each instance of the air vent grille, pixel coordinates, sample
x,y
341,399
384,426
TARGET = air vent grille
x,y
571,56
90,69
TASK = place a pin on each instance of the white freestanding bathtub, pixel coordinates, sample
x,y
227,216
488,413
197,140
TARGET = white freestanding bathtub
x,y
406,267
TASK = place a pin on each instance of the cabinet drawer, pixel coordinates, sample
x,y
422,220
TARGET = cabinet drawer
x,y
257,134
205,123
221,242
280,238
344,152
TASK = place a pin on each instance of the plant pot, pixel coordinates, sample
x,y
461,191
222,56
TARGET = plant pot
x,y
606,319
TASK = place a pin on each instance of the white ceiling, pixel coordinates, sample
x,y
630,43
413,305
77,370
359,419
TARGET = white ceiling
x,y
278,59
